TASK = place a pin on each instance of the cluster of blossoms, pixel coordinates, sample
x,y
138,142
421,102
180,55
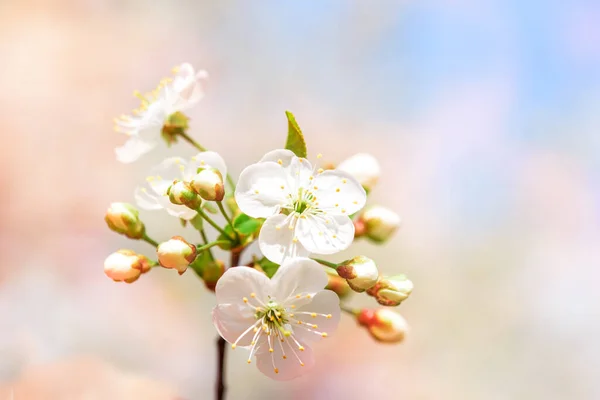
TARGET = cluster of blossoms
x,y
280,302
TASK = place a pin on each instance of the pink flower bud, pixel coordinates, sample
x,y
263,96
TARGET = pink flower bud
x,y
378,223
124,218
383,324
176,254
125,266
208,183
391,291
360,272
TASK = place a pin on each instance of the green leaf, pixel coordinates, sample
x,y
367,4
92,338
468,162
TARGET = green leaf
x,y
200,263
197,222
295,139
247,225
269,267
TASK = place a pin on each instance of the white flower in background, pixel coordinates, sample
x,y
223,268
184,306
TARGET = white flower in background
x,y
364,167
157,110
154,195
379,223
307,210
277,318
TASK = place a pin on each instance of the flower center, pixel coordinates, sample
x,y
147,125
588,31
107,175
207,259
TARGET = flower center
x,y
274,315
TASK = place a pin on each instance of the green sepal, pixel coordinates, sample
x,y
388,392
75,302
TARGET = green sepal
x,y
197,222
295,139
200,263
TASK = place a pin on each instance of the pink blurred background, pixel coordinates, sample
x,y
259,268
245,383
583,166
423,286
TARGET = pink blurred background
x,y
483,114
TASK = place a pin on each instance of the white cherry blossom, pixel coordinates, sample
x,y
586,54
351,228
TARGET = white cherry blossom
x,y
307,209
172,95
279,318
153,196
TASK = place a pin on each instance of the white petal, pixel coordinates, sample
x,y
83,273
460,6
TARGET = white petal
x,y
259,190
324,234
288,368
364,167
232,320
145,200
133,149
284,155
206,159
277,244
299,172
163,175
350,198
239,282
179,211
298,276
323,303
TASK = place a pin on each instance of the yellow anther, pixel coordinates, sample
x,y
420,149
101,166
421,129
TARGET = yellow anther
x,y
344,180
202,162
301,364
300,159
343,211
291,227
285,357
324,334
279,162
291,315
316,188
272,318
299,322
337,190
337,204
233,346
277,227
319,155
255,330
287,333
293,306
252,294
282,187
249,361
328,316
334,236
311,178
320,233
320,170
182,167
301,348
245,299
252,343
355,202
308,296
314,315
150,178
276,371
271,350
256,192
295,240
298,296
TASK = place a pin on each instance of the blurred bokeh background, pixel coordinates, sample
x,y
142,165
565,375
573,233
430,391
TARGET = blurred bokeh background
x,y
483,114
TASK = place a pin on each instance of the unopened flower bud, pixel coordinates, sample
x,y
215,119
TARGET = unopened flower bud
x,y
124,219
208,183
125,266
379,223
383,324
176,254
181,193
212,272
336,283
360,272
391,291
364,167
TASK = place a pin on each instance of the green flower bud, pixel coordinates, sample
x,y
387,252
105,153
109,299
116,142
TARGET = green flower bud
x,y
360,272
208,183
126,266
181,193
211,273
391,291
176,124
378,223
383,324
124,218
176,254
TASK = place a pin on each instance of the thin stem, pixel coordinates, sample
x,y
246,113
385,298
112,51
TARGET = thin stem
x,y
213,223
200,249
191,141
327,263
220,204
220,368
349,310
149,240
205,240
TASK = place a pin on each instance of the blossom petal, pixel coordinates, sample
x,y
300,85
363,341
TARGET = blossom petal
x,y
323,304
179,211
277,244
323,234
298,276
294,365
259,191
133,149
284,155
239,282
165,173
339,193
203,159
364,167
145,200
232,320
